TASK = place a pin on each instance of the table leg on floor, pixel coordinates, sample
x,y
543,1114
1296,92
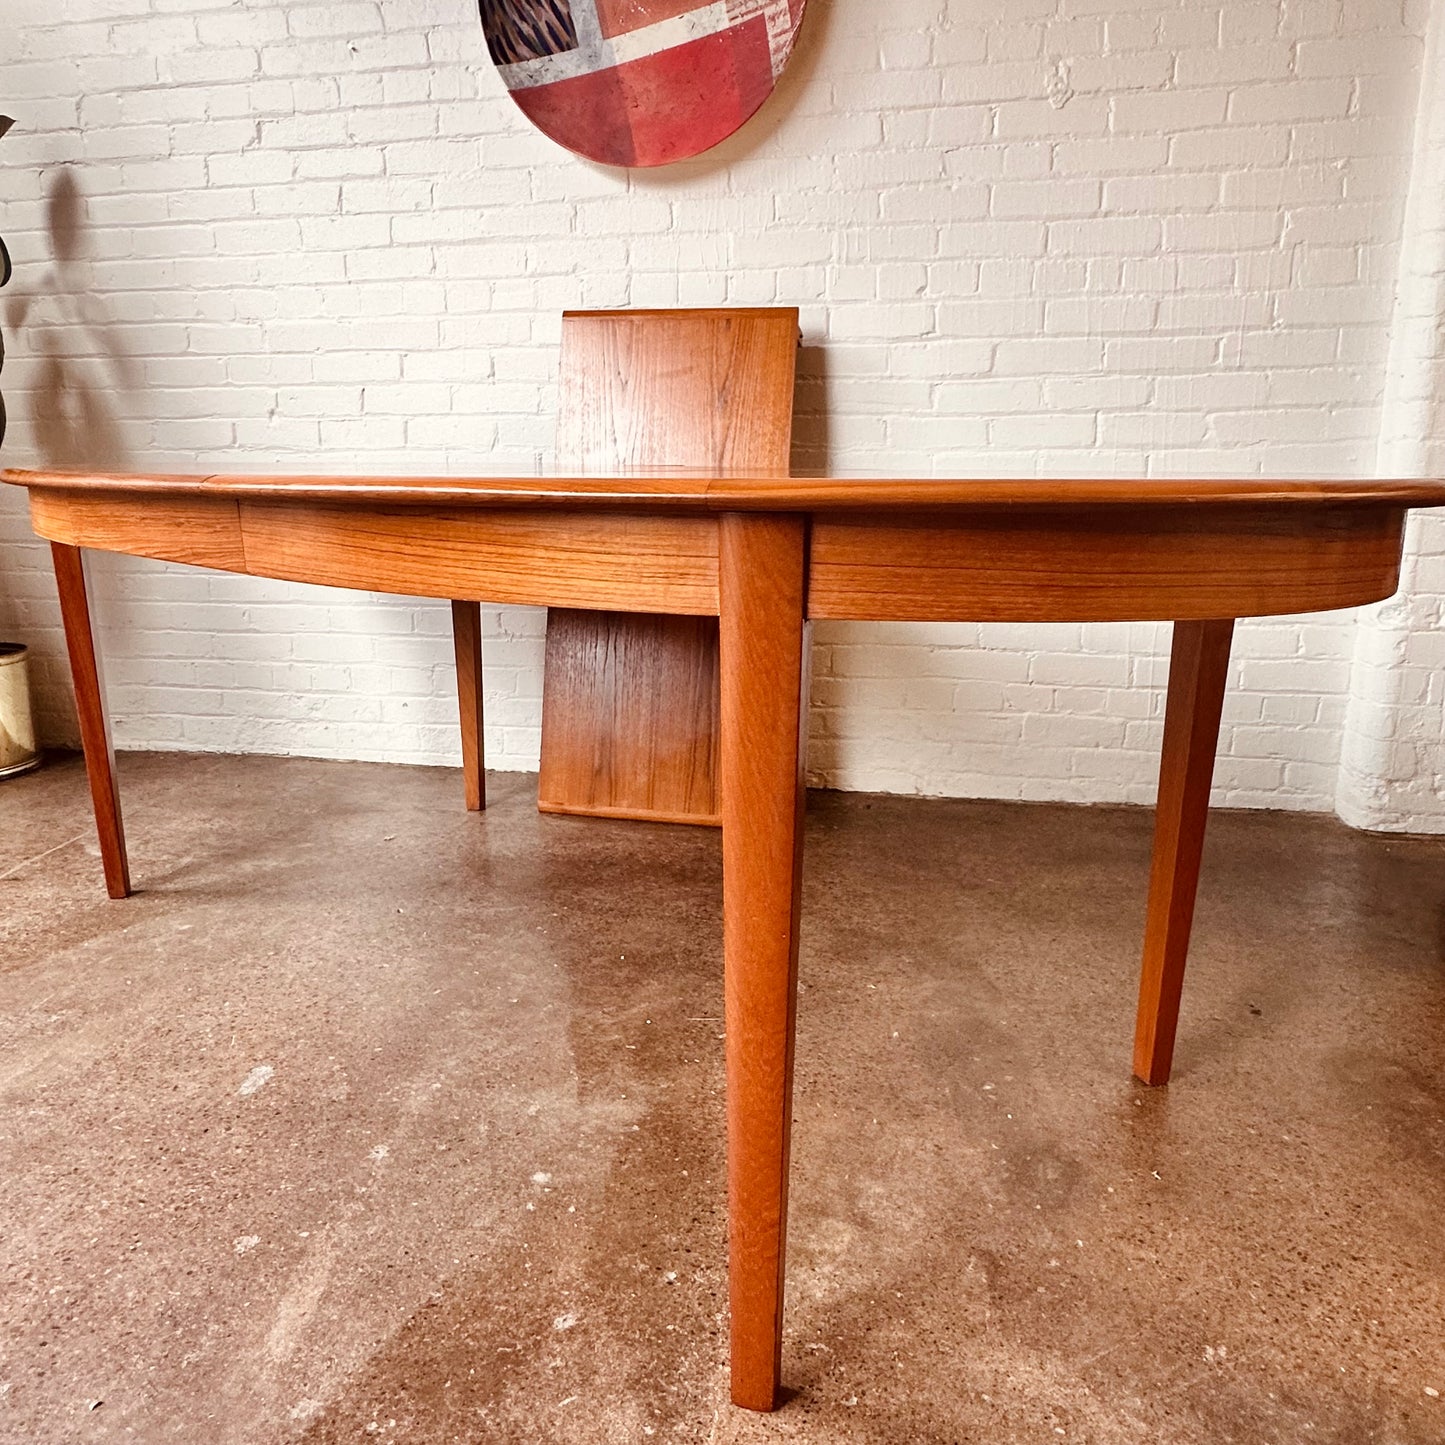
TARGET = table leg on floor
x,y
763,668
1198,668
467,639
90,706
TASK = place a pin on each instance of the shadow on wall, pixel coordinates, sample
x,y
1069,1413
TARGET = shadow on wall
x,y
79,366
5,124
74,371
810,409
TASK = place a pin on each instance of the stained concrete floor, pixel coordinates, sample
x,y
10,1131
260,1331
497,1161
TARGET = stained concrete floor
x,y
370,1119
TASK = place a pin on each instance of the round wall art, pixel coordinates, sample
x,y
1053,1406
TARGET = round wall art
x,y
640,82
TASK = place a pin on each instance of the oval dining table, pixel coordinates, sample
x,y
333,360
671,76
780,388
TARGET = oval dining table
x,y
767,554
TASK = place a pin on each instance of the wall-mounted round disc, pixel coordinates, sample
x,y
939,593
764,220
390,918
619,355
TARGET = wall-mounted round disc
x,y
640,82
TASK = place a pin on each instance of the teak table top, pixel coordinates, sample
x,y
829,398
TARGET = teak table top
x,y
686,489
765,554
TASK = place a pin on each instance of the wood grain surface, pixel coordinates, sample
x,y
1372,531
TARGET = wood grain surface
x,y
559,559
764,682
567,558
204,531
701,489
1083,565
679,489
706,389
467,644
629,716
872,493
85,672
635,733
1198,669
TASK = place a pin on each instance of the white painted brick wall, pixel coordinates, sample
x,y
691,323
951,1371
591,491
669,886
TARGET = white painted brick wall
x,y
1392,764
1034,236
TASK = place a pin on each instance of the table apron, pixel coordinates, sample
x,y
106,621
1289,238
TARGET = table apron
x,y
612,561
1000,565
1137,564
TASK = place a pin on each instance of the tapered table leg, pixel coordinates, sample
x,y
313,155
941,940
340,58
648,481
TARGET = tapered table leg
x,y
1198,667
467,638
94,724
763,686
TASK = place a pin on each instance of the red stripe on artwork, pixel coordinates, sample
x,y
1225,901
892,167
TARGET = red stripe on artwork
x,y
587,114
685,84
662,108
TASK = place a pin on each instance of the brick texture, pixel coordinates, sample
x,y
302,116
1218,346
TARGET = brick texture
x,y
1027,236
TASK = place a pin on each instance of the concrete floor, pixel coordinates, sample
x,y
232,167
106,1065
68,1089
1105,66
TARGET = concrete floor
x,y
369,1119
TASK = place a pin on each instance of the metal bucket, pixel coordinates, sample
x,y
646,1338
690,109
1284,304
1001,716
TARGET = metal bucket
x,y
18,753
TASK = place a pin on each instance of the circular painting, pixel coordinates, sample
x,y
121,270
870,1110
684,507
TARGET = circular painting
x,y
640,82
